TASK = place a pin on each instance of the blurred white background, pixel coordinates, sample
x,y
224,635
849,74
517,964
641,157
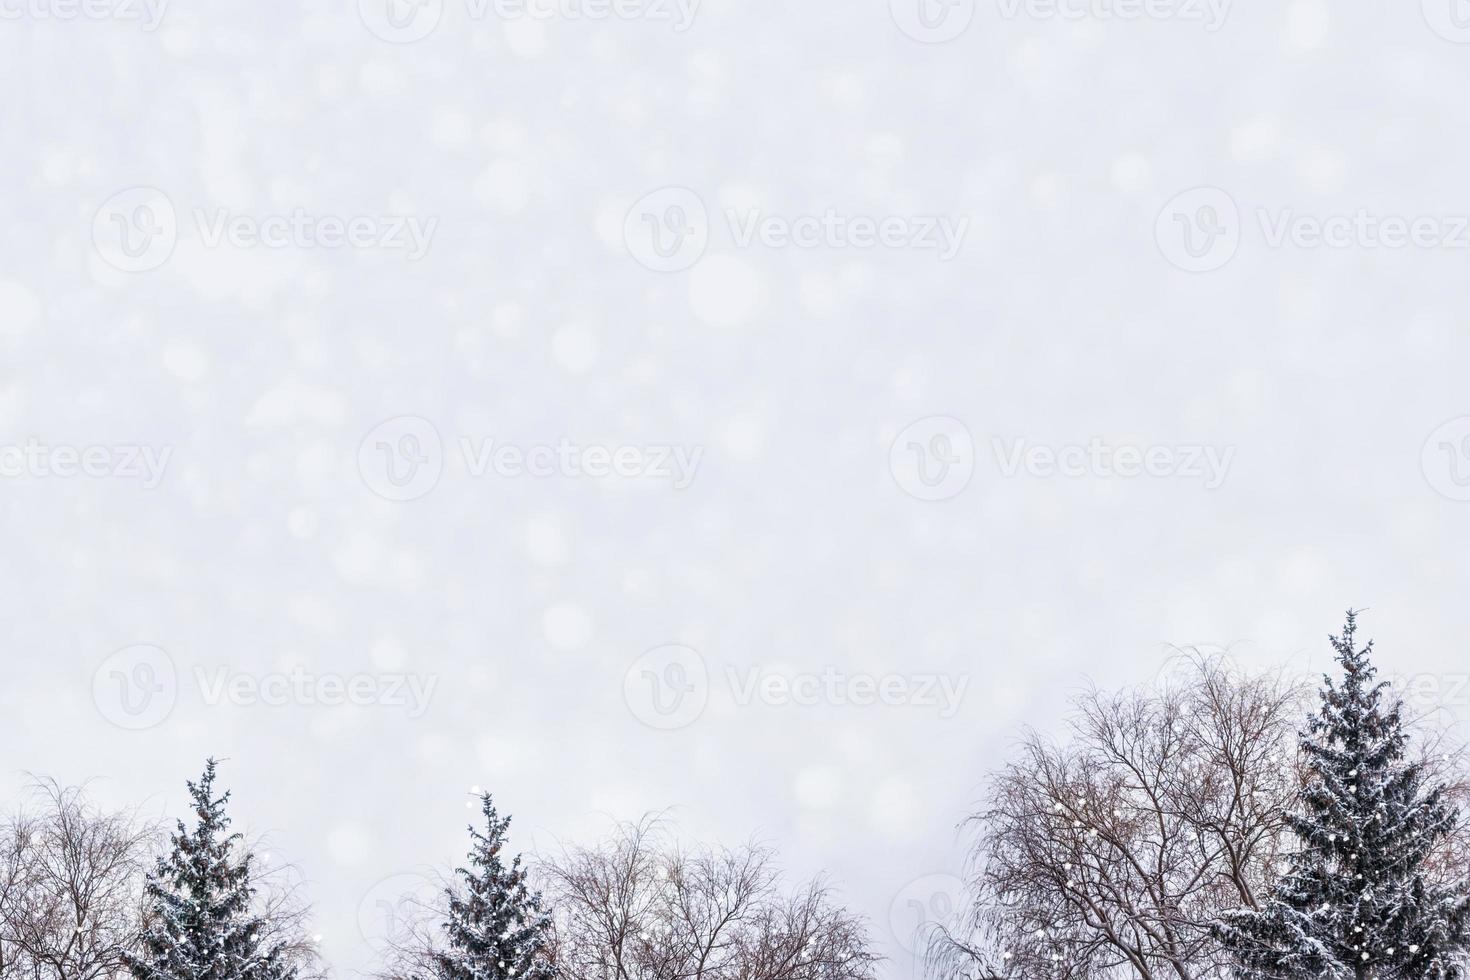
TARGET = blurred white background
x,y
984,347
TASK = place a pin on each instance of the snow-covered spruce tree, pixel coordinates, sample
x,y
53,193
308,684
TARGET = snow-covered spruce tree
x,y
1356,900
200,923
496,928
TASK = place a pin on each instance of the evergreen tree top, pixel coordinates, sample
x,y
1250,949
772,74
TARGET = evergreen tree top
x,y
1354,726
1356,662
1358,900
486,870
496,928
495,824
207,807
202,923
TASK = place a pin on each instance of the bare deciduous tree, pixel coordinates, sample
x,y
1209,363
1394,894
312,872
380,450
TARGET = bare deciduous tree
x,y
640,907
1112,852
71,891
285,912
70,887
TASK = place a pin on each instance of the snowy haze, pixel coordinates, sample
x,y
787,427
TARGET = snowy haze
x,y
756,409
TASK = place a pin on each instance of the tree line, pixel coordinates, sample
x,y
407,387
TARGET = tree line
x,y
87,894
1213,824
1218,824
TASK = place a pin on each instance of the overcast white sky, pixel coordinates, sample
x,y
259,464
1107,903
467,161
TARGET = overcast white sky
x,y
759,409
